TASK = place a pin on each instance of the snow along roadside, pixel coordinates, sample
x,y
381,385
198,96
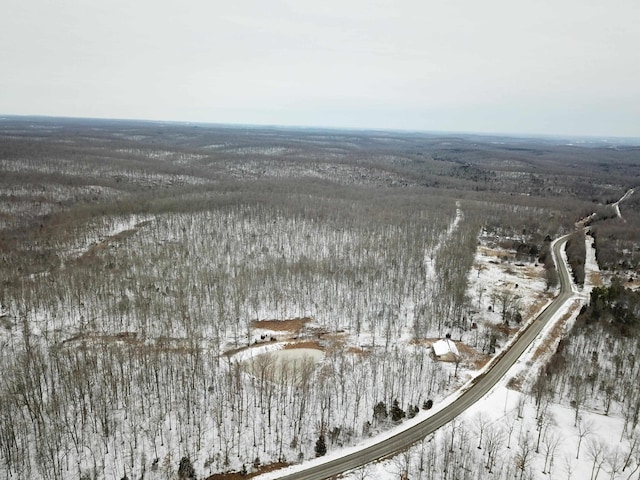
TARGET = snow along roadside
x,y
451,398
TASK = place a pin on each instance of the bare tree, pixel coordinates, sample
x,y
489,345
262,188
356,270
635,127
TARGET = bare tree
x,y
493,444
633,441
402,464
507,299
568,465
597,451
511,424
614,462
480,422
524,455
579,396
585,428
543,421
549,446
362,473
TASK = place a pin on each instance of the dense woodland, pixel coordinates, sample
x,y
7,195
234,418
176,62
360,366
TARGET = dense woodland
x,y
135,259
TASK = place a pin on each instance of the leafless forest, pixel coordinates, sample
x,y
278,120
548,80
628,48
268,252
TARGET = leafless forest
x,y
140,261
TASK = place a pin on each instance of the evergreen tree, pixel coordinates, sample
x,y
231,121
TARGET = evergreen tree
x,y
186,470
380,411
321,446
397,414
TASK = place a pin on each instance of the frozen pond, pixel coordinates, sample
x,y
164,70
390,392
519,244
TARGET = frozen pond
x,y
286,365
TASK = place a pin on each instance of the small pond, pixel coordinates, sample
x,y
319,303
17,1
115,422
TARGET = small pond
x,y
286,365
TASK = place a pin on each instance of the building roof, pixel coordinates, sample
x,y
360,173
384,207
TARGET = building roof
x,y
444,346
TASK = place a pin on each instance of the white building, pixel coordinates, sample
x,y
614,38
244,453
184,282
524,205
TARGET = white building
x,y
445,349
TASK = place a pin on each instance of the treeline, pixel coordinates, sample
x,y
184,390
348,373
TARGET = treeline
x,y
577,255
617,239
595,365
615,308
130,154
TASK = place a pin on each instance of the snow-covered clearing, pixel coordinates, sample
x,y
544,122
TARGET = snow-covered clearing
x,y
279,364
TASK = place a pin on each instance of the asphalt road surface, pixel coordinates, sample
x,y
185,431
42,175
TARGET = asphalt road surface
x,y
482,385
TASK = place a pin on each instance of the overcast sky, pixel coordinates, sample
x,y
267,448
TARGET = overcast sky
x,y
506,66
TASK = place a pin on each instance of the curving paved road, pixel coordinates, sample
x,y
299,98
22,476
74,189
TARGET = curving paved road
x,y
480,387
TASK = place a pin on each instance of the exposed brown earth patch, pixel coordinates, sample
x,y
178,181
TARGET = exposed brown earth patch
x,y
595,279
633,285
504,329
472,357
331,339
291,325
549,342
239,475
358,351
538,304
304,344
427,342
481,360
547,345
531,272
496,253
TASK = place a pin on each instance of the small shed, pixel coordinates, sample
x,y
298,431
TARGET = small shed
x,y
445,350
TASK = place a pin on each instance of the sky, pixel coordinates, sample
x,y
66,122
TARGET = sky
x,y
494,66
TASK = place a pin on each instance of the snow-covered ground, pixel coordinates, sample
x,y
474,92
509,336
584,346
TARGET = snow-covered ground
x,y
593,447
494,271
503,293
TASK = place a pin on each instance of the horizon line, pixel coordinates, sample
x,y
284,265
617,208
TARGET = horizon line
x,y
628,140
